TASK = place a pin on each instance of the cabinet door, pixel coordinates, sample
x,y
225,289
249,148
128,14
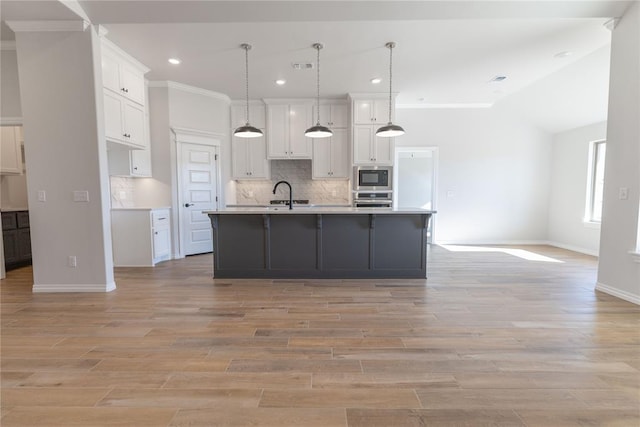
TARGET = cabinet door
x,y
363,112
321,165
278,131
133,124
161,243
141,163
10,151
239,157
132,82
24,244
10,242
362,141
299,122
381,111
113,128
257,158
256,116
339,154
383,153
111,74
339,116
325,115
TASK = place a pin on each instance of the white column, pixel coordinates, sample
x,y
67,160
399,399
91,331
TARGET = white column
x,y
60,76
618,273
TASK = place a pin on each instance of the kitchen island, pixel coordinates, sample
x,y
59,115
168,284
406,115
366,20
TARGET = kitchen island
x,y
319,242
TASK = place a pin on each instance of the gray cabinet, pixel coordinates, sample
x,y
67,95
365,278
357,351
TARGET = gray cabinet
x,y
16,237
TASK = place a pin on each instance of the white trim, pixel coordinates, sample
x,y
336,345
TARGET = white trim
x,y
635,255
195,136
627,296
192,89
374,95
10,121
7,45
113,49
492,242
591,224
574,248
45,26
75,7
424,106
94,287
242,102
280,101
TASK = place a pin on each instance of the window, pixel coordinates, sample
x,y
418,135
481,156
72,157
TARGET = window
x,y
595,184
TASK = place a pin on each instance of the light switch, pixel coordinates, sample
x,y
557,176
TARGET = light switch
x,y
623,193
42,196
80,196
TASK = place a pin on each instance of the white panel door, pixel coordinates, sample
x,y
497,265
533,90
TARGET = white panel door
x,y
199,193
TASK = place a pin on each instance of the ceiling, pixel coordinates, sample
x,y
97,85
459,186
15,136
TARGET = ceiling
x,y
447,51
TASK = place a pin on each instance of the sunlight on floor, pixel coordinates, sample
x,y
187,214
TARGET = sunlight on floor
x,y
520,253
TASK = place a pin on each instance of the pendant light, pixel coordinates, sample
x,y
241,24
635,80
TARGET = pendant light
x,y
247,131
390,130
318,131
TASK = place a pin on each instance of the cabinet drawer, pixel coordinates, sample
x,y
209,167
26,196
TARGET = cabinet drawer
x,y
160,218
23,219
9,221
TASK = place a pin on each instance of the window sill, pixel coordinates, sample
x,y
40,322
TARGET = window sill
x,y
591,224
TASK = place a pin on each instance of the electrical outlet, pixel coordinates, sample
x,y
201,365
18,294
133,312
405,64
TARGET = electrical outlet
x,y
80,196
72,261
450,194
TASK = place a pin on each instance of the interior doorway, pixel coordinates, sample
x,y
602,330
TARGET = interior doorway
x,y
198,190
415,177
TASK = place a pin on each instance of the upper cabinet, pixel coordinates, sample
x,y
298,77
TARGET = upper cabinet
x,y
256,115
371,111
286,124
11,150
124,98
331,156
332,115
249,155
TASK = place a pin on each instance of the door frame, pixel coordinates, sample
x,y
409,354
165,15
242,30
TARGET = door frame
x,y
435,154
198,137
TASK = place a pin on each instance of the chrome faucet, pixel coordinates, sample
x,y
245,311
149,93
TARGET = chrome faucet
x,y
290,192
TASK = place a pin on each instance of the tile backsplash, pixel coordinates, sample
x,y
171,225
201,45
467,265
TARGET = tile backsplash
x,y
298,174
122,192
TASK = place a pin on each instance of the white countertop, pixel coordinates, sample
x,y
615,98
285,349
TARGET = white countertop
x,y
13,209
314,210
141,208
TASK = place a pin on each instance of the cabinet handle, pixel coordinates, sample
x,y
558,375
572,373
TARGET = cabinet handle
x,y
155,232
135,168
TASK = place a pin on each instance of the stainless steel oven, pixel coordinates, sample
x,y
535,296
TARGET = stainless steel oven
x,y
376,199
372,178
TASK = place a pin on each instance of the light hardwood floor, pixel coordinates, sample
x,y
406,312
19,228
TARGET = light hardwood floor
x,y
489,339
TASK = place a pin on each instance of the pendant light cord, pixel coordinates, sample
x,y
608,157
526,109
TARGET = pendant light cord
x,y
318,47
246,80
390,74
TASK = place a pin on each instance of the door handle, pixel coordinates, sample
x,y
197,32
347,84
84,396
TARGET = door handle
x,y
186,205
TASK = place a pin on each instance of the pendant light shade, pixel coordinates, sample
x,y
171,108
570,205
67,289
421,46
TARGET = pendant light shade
x,y
247,131
390,130
318,131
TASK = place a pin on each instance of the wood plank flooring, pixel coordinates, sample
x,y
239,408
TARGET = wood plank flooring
x,y
489,339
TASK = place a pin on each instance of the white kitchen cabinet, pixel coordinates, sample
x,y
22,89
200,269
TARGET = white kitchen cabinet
x,y
124,121
122,77
134,163
141,236
249,157
369,149
371,111
11,150
331,156
257,115
286,124
332,115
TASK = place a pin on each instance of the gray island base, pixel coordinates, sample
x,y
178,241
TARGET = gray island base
x,y
347,243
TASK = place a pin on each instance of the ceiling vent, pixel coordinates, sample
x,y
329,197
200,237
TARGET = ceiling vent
x,y
302,65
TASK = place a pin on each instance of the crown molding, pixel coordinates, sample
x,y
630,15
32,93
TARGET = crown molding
x,y
7,45
462,105
116,50
46,26
191,89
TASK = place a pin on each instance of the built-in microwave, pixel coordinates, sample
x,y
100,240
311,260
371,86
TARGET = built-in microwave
x,y
372,178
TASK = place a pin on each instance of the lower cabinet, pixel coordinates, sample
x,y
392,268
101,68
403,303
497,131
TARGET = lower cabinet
x,y
141,237
16,237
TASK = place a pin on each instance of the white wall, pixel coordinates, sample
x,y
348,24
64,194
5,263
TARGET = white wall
x,y
618,274
10,105
496,167
65,150
569,189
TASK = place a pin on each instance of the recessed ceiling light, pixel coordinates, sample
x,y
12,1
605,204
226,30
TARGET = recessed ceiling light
x,y
174,61
563,54
280,82
376,80
420,99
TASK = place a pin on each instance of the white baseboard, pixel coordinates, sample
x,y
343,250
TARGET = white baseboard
x,y
76,287
627,296
574,248
491,242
